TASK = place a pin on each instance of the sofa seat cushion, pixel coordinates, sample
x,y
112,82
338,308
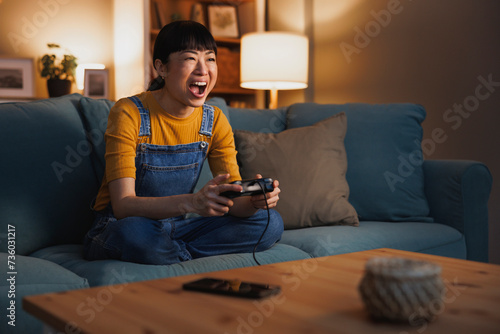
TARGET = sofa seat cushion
x,y
34,276
106,272
429,238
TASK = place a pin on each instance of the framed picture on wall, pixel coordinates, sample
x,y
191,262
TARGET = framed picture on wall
x,y
223,21
16,77
96,84
198,13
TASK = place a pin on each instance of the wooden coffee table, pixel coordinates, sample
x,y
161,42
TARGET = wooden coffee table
x,y
318,296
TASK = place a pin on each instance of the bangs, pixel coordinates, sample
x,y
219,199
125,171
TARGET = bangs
x,y
181,36
197,39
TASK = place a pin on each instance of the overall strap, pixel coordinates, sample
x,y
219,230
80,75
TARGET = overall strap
x,y
145,128
207,121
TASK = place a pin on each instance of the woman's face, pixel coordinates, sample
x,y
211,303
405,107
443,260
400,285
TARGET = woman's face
x,y
190,76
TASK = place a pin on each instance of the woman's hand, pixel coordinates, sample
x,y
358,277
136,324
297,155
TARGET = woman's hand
x,y
259,201
208,202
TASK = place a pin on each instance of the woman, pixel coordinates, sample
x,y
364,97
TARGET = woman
x,y
156,143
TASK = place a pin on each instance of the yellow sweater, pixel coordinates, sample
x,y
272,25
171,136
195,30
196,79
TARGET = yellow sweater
x,y
122,138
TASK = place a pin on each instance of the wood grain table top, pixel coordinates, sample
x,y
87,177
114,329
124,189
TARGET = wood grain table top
x,y
318,296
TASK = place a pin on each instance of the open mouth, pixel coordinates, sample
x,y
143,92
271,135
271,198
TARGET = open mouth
x,y
198,88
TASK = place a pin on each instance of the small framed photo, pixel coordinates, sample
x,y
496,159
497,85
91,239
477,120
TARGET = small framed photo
x,y
96,84
16,77
223,21
198,13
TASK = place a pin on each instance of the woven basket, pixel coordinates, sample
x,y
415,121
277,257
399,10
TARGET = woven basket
x,y
401,290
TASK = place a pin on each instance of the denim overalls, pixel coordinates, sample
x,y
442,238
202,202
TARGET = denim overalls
x,y
165,170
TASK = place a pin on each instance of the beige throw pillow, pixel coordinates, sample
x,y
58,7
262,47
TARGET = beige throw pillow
x,y
310,163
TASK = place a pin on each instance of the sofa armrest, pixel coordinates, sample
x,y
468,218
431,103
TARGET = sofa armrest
x,y
458,192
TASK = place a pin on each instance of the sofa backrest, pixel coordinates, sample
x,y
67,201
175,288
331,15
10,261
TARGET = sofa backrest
x,y
49,171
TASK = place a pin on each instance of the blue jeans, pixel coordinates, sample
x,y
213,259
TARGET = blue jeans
x,y
173,240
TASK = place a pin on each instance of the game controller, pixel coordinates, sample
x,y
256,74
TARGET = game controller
x,y
251,187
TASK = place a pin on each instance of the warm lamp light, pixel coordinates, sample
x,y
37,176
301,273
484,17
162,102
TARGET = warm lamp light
x,y
274,60
80,72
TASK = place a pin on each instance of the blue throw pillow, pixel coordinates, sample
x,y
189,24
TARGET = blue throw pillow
x,y
384,155
258,120
95,114
220,103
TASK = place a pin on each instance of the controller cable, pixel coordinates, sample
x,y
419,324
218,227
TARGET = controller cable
x,y
267,225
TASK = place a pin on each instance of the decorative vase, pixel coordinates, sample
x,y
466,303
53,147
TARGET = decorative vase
x,y
58,87
402,290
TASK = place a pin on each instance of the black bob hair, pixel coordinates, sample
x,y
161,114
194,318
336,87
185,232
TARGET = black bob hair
x,y
179,36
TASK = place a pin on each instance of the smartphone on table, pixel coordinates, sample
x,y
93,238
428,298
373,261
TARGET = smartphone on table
x,y
234,288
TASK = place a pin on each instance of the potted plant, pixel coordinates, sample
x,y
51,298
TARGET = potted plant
x,y
60,74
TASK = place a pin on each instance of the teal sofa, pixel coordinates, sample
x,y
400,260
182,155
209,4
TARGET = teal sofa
x,y
53,161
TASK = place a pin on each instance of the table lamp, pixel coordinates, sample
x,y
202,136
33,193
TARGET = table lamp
x,y
274,60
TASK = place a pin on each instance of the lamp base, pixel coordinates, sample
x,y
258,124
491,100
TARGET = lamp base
x,y
273,103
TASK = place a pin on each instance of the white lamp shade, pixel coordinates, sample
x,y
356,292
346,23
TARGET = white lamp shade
x,y
274,60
